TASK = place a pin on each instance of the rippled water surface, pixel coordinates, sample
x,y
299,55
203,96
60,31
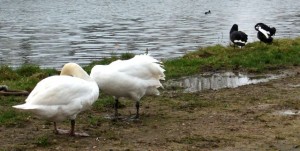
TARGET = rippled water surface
x,y
51,33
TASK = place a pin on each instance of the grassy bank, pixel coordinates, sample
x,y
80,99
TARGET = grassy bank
x,y
254,57
226,117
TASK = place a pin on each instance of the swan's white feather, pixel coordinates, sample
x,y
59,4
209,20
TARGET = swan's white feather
x,y
131,78
57,98
266,33
239,41
141,66
63,89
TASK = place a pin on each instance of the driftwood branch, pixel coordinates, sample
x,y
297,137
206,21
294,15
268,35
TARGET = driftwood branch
x,y
6,92
14,92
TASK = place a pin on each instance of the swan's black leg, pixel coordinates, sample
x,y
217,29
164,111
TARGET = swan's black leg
x,y
72,131
137,105
116,107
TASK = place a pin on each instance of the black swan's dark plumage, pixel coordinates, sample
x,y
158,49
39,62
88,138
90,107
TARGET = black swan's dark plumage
x,y
208,12
265,32
238,37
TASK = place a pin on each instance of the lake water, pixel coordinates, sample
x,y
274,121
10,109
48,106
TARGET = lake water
x,y
51,33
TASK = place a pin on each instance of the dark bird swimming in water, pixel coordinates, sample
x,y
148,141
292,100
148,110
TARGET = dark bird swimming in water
x,y
265,32
237,37
208,12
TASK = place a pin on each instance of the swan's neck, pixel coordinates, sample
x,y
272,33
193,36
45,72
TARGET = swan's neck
x,y
74,70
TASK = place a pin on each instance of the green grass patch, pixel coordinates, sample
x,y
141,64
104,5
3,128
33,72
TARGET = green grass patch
x,y
24,77
103,102
11,100
9,117
95,120
29,70
7,73
42,141
254,57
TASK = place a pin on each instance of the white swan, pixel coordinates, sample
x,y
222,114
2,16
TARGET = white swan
x,y
57,98
131,78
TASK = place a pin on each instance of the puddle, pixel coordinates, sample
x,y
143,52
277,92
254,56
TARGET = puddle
x,y
215,81
287,112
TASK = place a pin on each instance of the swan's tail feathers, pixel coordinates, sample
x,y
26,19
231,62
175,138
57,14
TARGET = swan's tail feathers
x,y
148,66
26,107
154,83
161,75
152,91
158,69
152,88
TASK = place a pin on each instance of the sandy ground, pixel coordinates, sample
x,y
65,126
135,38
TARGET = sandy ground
x,y
253,117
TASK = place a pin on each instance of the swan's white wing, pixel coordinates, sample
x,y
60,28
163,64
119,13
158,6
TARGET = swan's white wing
x,y
61,90
141,66
59,97
266,33
130,78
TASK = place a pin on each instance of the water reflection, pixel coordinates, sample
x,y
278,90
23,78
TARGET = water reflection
x,y
287,112
215,81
